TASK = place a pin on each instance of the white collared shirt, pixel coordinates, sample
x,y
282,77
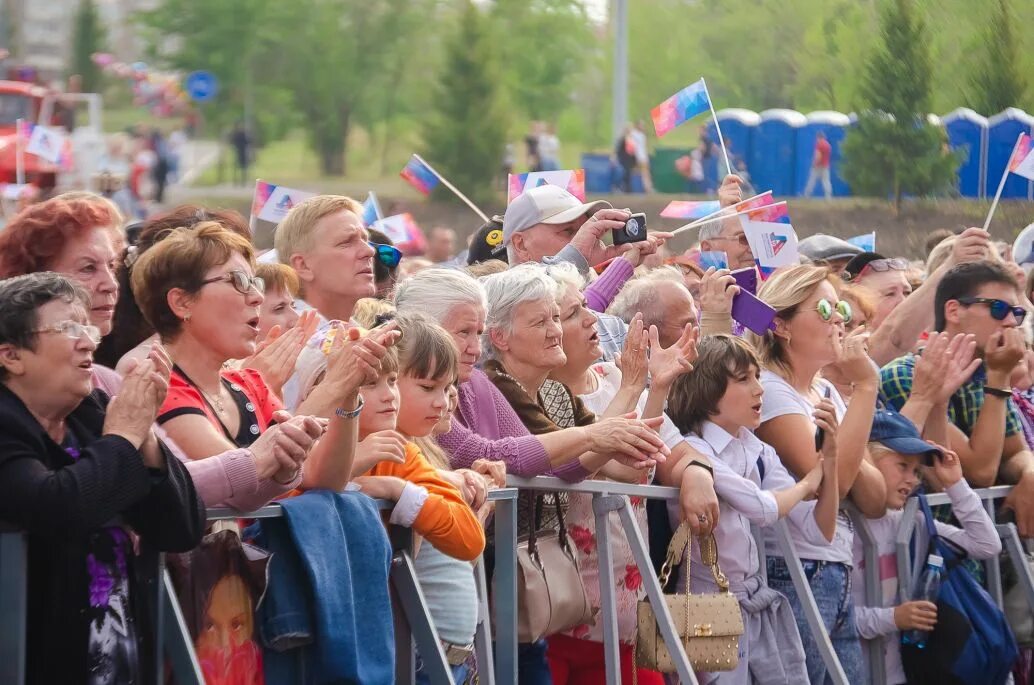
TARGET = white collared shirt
x,y
745,498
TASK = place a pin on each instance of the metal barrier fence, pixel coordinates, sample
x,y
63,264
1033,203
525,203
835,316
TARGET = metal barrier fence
x,y
414,626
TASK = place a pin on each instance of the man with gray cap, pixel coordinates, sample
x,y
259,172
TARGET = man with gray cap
x,y
548,224
833,251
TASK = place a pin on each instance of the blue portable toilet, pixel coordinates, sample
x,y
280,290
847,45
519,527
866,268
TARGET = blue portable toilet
x,y
599,170
967,131
834,125
773,153
1002,131
738,132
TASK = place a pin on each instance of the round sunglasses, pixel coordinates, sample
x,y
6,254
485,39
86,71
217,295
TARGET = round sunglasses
x,y
825,308
387,255
999,308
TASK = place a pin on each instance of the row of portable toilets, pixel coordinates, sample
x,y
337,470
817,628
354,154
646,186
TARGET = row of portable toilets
x,y
778,145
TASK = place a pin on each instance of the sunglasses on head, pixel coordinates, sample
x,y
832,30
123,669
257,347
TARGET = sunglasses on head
x,y
825,308
387,255
999,308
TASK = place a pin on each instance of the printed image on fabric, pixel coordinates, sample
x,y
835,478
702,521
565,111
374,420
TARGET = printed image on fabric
x,y
113,642
220,584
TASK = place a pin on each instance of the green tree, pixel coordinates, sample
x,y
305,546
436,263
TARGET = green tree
x,y
87,39
895,150
466,131
996,81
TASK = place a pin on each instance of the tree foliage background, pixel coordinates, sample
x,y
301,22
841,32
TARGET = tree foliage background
x,y
362,78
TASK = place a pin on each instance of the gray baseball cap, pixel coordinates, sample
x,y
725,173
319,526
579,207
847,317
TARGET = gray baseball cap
x,y
545,204
822,247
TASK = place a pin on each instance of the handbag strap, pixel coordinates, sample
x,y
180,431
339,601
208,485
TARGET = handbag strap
x,y
931,527
537,523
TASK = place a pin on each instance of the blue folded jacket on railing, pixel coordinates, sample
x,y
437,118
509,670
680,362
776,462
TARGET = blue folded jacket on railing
x,y
327,613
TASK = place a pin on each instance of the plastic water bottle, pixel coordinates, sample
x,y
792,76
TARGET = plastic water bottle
x,y
929,588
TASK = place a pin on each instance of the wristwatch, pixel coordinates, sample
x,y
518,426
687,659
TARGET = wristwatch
x,y
997,392
350,413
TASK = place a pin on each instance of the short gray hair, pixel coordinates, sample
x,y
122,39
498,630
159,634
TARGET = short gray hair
x,y
710,230
20,300
527,282
640,295
565,274
436,291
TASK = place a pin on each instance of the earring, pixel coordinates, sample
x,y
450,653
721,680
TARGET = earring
x,y
186,318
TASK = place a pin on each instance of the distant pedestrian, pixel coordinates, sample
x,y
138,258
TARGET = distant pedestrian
x,y
549,149
531,147
624,153
820,167
241,142
642,154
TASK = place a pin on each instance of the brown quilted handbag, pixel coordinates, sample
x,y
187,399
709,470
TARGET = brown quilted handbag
x,y
709,625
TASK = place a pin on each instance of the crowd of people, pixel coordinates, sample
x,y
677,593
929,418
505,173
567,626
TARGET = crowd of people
x,y
148,376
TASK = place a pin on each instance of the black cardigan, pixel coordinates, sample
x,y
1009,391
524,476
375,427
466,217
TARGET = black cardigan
x,y
60,502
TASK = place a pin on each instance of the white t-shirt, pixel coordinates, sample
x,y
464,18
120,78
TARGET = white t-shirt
x,y
642,155
781,399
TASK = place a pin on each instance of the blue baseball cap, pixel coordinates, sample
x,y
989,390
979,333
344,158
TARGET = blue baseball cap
x,y
896,432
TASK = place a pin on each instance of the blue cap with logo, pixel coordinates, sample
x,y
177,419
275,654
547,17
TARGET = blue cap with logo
x,y
898,433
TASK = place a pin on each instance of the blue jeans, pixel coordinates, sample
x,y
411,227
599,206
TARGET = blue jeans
x,y
831,585
532,667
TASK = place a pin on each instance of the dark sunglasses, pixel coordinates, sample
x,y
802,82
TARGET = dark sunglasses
x,y
999,308
387,255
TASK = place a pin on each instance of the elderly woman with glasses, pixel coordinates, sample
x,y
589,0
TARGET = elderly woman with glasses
x,y
809,335
887,279
87,480
197,289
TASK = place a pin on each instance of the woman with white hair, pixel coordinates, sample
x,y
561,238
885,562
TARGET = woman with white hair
x,y
486,426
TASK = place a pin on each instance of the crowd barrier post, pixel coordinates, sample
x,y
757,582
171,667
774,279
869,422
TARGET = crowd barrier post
x,y
483,636
993,565
811,610
903,550
177,645
602,505
1014,547
873,593
504,596
14,577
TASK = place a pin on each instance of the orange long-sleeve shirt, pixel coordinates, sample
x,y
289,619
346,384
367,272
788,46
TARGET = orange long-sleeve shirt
x,y
445,520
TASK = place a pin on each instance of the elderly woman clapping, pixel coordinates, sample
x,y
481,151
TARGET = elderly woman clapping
x,y
485,424
84,477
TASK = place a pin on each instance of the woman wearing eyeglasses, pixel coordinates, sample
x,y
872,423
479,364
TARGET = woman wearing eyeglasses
x,y
809,335
198,290
887,279
97,494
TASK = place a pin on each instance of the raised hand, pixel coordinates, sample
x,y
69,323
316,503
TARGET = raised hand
x,y
730,192
947,467
667,364
945,364
276,356
717,288
854,362
1003,351
972,245
634,360
131,413
354,359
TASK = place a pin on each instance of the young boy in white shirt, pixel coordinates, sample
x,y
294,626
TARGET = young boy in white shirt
x,y
899,452
716,407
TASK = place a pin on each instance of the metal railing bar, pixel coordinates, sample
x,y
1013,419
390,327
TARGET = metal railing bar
x,y
873,593
602,505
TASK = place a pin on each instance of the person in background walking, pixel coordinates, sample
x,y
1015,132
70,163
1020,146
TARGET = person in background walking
x,y
642,154
549,149
820,167
531,147
624,153
241,142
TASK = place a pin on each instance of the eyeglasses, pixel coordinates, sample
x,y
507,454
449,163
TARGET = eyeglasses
x,y
740,238
880,265
73,330
240,281
825,309
999,308
387,255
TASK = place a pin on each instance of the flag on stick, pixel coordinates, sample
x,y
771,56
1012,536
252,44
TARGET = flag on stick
x,y
742,207
771,238
424,178
679,209
420,175
1021,162
371,209
571,179
272,202
404,232
680,107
